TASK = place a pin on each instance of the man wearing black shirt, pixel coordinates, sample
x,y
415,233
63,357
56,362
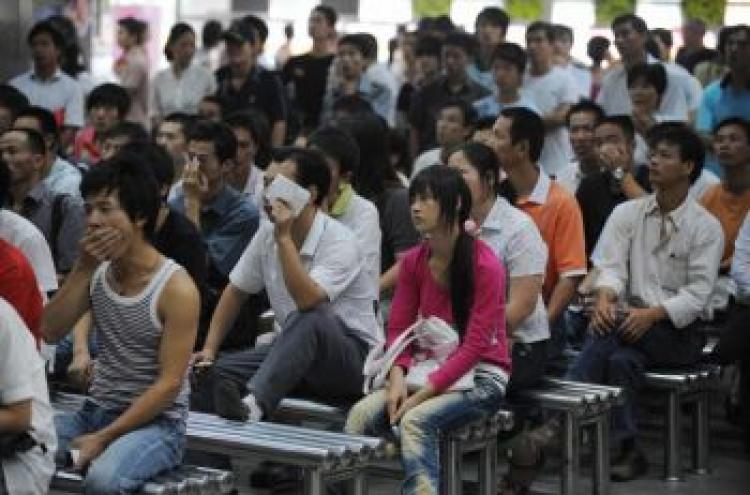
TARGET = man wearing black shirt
x,y
243,84
457,53
305,76
693,50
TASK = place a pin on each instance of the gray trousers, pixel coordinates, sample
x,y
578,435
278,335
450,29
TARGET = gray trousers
x,y
315,355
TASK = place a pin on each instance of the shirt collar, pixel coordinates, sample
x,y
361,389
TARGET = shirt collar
x,y
677,216
496,218
222,203
57,75
541,189
314,235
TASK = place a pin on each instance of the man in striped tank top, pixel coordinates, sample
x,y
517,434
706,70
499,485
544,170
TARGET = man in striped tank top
x,y
145,309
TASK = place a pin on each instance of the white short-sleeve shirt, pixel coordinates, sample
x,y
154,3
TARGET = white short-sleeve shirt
x,y
61,94
547,92
24,235
22,378
362,218
183,94
516,241
332,258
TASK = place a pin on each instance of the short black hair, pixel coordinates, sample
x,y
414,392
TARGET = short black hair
x,y
511,53
46,26
135,185
526,125
178,31
46,120
624,122
132,131
371,46
585,105
464,41
185,120
484,123
5,182
136,27
357,41
211,33
154,156
653,74
339,145
467,110
109,95
312,169
256,123
597,47
685,138
258,25
428,46
562,31
12,99
495,16
225,144
637,22
328,12
546,27
34,139
484,160
740,122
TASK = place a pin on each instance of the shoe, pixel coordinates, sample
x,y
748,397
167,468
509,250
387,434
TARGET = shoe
x,y
228,401
254,412
630,465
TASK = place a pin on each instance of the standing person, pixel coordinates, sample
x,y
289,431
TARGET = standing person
x,y
25,411
552,91
693,51
145,308
579,72
132,69
284,53
490,27
456,278
180,87
306,75
243,84
598,51
209,54
47,86
508,68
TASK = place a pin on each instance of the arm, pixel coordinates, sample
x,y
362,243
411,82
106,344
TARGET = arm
x,y
15,418
522,299
178,307
68,304
562,294
304,290
630,187
740,271
389,278
225,314
556,118
569,259
278,133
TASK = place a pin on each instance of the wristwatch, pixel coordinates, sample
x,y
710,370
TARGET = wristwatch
x,y
618,174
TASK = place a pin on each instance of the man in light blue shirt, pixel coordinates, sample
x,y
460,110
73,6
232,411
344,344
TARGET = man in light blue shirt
x,y
508,67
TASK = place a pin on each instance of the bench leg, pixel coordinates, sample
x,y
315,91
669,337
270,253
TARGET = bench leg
x,y
701,433
570,455
672,461
601,455
314,482
488,468
450,468
359,483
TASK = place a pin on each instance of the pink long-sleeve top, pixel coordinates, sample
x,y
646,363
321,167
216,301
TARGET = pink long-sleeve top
x,y
418,294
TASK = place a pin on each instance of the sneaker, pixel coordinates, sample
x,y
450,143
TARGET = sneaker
x,y
630,465
254,412
228,401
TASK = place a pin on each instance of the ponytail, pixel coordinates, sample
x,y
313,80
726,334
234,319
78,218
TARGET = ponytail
x,y
462,281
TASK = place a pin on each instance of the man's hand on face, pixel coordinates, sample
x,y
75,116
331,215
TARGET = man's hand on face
x,y
194,182
283,217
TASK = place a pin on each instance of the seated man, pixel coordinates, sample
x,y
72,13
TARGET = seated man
x,y
312,270
172,134
106,105
25,412
60,217
146,311
658,256
120,134
225,220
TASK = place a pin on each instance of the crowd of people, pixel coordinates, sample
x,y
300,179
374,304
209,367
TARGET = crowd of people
x,y
539,207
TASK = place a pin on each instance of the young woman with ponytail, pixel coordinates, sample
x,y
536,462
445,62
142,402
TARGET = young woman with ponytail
x,y
455,277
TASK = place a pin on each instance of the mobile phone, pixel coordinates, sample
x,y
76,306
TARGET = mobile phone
x,y
286,190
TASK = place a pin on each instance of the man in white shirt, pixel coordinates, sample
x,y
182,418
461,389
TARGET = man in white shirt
x,y
658,258
552,91
47,86
580,73
25,412
631,33
311,268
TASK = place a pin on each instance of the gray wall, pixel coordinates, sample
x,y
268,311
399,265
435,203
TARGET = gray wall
x,y
15,21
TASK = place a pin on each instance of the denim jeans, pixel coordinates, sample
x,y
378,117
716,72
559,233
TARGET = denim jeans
x,y
608,360
64,352
419,430
131,460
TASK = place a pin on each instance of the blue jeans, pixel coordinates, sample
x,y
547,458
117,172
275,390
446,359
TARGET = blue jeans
x,y
131,460
64,352
420,428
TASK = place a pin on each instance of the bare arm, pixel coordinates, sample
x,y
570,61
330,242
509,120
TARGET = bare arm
x,y
522,299
68,304
226,312
556,118
278,133
389,278
15,418
561,296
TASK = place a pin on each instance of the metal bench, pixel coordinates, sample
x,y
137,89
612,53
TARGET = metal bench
x,y
581,406
183,480
323,456
692,385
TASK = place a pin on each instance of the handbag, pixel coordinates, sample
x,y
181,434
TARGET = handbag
x,y
435,341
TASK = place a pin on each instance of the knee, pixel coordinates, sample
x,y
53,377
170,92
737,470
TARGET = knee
x,y
103,479
622,364
362,416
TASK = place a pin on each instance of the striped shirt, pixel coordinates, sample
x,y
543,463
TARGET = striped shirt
x,y
129,333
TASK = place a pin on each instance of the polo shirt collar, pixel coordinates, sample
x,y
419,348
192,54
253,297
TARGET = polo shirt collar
x,y
56,76
541,189
495,218
678,216
314,235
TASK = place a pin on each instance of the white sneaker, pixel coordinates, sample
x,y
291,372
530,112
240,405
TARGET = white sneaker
x,y
254,412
